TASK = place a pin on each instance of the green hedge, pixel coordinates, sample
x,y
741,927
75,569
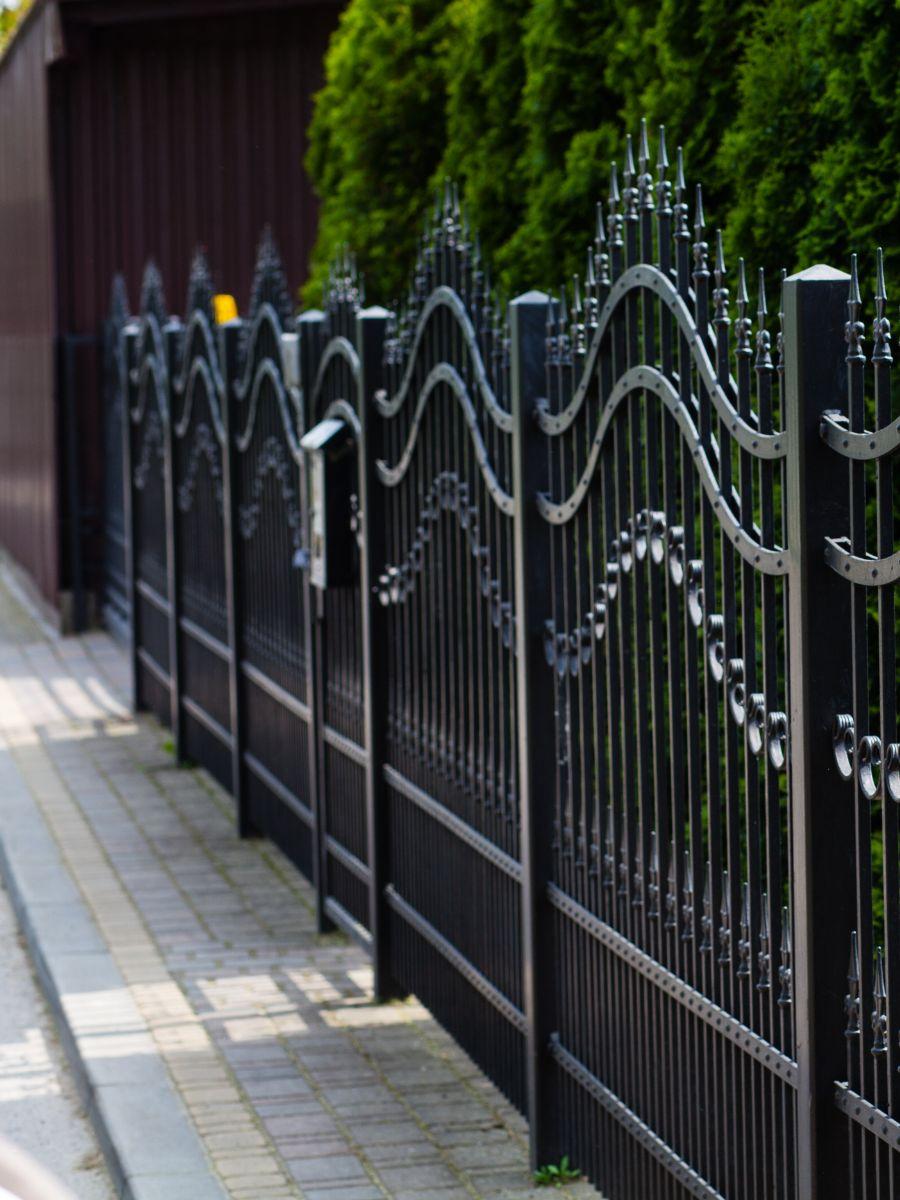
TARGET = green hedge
x,y
789,112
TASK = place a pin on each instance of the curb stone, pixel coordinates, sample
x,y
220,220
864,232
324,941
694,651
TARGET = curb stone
x,y
143,1128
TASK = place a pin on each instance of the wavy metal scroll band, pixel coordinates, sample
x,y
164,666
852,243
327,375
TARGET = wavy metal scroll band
x,y
748,437
648,536
862,446
446,297
865,759
340,348
649,379
870,572
268,370
448,495
266,319
198,323
446,374
200,370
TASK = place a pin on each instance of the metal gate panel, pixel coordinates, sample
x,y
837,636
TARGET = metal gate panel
x,y
445,587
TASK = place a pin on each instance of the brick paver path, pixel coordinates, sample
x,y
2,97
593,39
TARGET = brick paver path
x,y
296,1082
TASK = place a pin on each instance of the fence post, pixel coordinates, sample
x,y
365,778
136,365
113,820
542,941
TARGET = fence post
x,y
817,505
229,351
130,336
172,342
370,331
310,328
535,715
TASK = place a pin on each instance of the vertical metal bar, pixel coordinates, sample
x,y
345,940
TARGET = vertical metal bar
x,y
172,334
229,347
310,328
370,332
819,665
535,716
130,336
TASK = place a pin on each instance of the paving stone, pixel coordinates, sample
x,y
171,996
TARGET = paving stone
x,y
198,963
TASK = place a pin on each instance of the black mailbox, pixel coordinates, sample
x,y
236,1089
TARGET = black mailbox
x,y
330,450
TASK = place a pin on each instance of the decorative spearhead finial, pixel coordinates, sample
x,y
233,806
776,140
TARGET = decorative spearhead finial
x,y
720,292
615,218
550,339
643,147
645,179
601,258
744,947
663,186
701,249
854,329
763,339
687,907
881,326
630,195
623,864
681,208
591,304
653,882
879,1014
764,958
200,289
725,922
743,325
779,337
671,895
609,854
706,919
851,1000
785,970
579,338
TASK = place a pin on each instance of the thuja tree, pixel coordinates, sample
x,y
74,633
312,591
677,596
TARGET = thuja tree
x,y
788,111
377,135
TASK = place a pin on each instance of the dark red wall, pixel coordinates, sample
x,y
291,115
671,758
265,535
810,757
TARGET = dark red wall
x,y
184,131
28,491
165,131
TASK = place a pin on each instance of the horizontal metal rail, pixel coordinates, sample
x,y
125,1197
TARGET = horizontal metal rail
x,y
688,997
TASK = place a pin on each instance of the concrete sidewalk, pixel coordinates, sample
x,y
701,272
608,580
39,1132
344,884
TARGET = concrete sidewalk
x,y
225,1049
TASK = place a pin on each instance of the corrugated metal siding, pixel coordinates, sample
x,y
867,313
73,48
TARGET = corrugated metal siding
x,y
28,484
172,135
186,133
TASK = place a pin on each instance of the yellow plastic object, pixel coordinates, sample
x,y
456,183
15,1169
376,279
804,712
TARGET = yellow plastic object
x,y
225,308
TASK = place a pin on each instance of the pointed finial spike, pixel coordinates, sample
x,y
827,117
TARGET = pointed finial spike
x,y
662,158
680,185
880,290
762,310
589,277
601,230
854,296
720,253
628,168
644,148
614,196
699,219
742,296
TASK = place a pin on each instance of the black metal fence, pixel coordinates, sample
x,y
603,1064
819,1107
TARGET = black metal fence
x,y
595,747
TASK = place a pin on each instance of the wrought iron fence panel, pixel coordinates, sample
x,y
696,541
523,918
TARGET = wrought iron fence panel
x,y
446,593
332,384
592,740
271,599
148,503
866,752
199,447
664,645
